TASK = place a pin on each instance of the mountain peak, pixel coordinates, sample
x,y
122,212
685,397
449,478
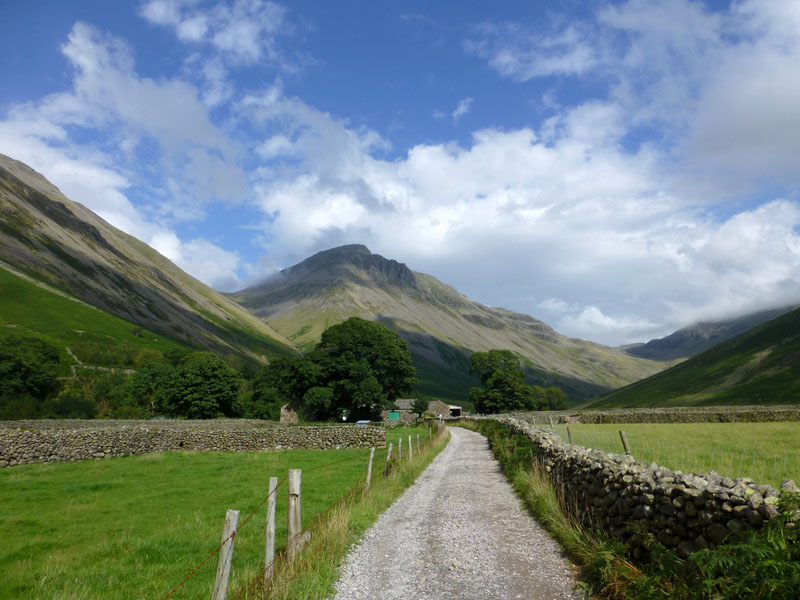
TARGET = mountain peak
x,y
356,262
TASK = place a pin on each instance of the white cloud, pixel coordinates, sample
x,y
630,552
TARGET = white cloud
x,y
200,258
194,160
565,210
462,109
243,31
524,53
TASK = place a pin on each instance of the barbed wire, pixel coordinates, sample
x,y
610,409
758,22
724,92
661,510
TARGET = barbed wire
x,y
250,516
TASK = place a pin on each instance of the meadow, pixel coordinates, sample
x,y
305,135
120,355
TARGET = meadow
x,y
134,527
766,452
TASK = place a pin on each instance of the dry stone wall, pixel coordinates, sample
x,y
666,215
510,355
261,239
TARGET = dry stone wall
x,y
26,442
631,500
706,414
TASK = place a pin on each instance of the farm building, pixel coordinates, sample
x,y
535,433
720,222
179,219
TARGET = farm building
x,y
403,413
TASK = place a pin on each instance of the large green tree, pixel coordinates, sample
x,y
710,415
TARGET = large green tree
x,y
366,365
28,375
358,368
206,387
504,388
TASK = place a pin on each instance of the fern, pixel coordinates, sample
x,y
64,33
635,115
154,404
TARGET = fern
x,y
756,564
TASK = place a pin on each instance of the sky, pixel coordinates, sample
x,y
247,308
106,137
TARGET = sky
x,y
617,169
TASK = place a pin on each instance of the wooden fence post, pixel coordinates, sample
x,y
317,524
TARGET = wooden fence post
x,y
225,555
388,458
269,554
295,517
624,439
410,450
430,435
551,423
569,435
369,470
400,449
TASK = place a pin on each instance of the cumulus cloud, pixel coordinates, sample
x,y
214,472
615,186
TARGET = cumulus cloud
x,y
462,109
562,209
142,128
243,31
523,53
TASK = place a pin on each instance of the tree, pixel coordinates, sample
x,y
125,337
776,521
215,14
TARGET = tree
x,y
206,387
504,384
154,387
419,405
366,365
28,366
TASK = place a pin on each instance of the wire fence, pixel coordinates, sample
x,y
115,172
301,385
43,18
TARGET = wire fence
x,y
730,452
261,581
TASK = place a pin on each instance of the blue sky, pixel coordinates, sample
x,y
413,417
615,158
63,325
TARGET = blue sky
x,y
616,169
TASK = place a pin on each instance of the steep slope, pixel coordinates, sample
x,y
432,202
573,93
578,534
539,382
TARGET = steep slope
x,y
442,326
761,366
696,338
49,238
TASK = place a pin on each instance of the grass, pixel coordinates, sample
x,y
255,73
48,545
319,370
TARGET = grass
x,y
134,527
30,310
767,452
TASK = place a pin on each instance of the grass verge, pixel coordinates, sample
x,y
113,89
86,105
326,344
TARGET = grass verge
x,y
313,572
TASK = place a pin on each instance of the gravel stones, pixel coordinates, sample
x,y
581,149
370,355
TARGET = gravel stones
x,y
459,533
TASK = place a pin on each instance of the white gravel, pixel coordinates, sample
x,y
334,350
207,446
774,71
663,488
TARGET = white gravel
x,y
460,532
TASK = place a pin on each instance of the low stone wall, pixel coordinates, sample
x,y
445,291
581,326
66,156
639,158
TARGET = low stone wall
x,y
717,414
630,499
25,442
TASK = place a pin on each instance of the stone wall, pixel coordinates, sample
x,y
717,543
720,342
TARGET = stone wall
x,y
706,414
630,499
25,442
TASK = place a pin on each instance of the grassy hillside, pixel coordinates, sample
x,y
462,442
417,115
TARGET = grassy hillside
x,y
29,309
761,366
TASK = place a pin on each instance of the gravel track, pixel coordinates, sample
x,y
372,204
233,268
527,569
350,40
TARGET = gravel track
x,y
460,533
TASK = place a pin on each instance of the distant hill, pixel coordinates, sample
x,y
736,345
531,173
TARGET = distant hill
x,y
701,336
761,366
47,238
441,326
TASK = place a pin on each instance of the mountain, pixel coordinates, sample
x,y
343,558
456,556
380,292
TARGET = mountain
x,y
696,338
62,245
441,326
760,366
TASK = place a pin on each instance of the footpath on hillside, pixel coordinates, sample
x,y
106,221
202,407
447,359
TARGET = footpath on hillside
x,y
459,532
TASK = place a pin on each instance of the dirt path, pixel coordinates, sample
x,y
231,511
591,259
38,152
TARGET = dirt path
x,y
459,533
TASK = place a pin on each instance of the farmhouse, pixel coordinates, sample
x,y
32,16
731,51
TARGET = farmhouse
x,y
404,414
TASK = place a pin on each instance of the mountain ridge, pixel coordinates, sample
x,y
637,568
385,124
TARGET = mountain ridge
x,y
441,325
760,366
50,238
698,337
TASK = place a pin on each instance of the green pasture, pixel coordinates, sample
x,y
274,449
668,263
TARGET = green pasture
x,y
134,527
766,452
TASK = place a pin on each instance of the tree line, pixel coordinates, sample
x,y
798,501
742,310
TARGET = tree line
x,y
358,369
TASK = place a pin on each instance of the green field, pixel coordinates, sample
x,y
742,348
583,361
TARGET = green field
x,y
29,310
134,527
766,452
